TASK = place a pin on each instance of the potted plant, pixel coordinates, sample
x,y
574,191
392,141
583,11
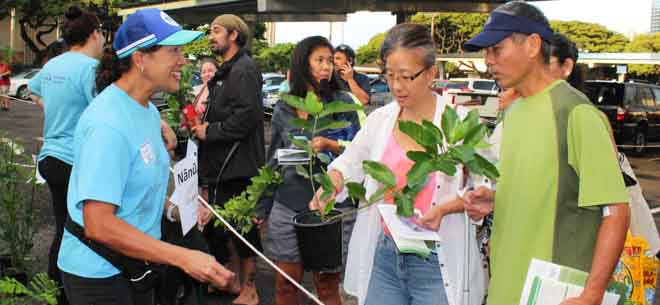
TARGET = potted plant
x,y
181,114
446,149
17,189
41,289
319,235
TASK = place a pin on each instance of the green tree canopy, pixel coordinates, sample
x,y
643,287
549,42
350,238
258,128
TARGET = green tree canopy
x,y
649,43
591,37
41,17
276,58
452,30
369,53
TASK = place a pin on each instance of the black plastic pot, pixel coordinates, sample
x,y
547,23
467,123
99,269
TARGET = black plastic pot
x,y
319,243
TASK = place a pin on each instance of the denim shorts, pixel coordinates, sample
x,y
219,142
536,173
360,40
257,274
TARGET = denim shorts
x,y
281,240
404,279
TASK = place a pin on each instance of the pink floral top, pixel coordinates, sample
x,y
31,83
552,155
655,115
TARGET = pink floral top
x,y
394,157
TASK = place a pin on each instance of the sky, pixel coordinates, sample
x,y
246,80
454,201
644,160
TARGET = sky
x,y
627,17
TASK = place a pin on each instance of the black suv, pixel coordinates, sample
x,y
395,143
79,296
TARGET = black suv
x,y
632,108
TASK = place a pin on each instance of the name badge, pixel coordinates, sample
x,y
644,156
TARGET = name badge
x,y
147,153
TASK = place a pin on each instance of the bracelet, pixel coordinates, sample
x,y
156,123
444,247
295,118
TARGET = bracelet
x,y
170,212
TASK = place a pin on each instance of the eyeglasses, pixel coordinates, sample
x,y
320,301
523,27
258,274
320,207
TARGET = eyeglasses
x,y
390,77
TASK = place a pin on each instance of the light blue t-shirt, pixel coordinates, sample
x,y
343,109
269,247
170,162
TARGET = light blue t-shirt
x,y
66,84
120,158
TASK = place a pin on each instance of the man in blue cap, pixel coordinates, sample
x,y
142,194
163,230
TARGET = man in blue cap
x,y
561,196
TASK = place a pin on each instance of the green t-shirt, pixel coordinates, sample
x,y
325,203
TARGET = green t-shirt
x,y
558,165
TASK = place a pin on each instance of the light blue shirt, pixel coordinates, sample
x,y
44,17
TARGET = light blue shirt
x,y
120,158
66,84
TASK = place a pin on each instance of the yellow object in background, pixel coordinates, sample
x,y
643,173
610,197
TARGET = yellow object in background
x,y
638,270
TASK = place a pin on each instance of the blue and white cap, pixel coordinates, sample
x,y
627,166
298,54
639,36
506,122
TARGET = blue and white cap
x,y
149,27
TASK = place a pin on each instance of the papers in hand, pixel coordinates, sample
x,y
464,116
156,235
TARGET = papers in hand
x,y
408,238
551,284
291,157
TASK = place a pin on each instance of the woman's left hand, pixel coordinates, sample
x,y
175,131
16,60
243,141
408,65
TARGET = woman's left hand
x,y
433,218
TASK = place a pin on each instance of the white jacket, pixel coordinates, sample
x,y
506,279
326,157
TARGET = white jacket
x,y
369,144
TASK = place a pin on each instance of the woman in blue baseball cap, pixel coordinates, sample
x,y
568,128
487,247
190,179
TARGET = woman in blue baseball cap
x,y
117,191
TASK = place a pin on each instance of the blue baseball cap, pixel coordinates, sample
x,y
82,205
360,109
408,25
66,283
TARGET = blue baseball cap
x,y
149,27
500,26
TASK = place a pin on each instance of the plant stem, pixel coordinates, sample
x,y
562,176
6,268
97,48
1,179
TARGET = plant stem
x,y
311,158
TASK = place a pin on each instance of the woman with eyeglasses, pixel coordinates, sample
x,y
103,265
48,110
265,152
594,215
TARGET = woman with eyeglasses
x,y
66,86
311,71
379,273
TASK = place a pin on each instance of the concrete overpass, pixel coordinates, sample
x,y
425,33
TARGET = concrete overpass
x,y
200,11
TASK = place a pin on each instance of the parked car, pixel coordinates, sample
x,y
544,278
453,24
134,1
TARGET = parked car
x,y
486,103
270,98
19,84
632,108
270,89
466,85
380,93
271,81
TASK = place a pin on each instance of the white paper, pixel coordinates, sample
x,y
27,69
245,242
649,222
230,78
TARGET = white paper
x,y
400,229
292,157
186,190
554,286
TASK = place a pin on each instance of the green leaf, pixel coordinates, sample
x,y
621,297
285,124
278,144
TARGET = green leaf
x,y
449,122
433,130
324,158
380,173
338,107
378,194
464,153
325,181
329,207
327,123
472,119
475,135
414,189
482,144
356,191
405,205
312,103
419,172
418,133
488,169
298,142
419,156
302,104
302,171
445,166
302,124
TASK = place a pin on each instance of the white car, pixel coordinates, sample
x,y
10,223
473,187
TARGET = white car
x,y
476,85
19,84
